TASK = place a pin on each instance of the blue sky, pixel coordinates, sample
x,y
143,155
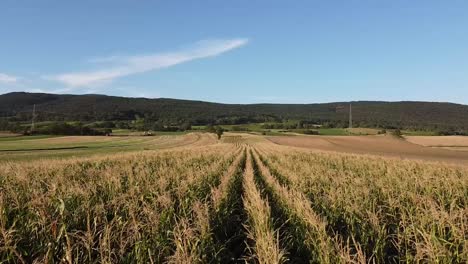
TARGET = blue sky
x,y
238,51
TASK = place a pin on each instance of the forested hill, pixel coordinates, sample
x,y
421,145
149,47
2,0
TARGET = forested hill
x,y
18,106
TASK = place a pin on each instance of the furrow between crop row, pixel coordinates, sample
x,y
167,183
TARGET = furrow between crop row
x,y
359,241
263,238
304,232
229,217
385,211
194,235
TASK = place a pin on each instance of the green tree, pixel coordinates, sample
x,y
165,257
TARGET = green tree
x,y
397,133
185,126
139,124
210,128
219,132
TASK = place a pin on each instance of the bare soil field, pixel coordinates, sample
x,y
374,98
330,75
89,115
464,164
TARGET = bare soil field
x,y
439,141
378,145
7,134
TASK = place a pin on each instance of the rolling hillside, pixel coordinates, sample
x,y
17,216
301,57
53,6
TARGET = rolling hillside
x,y
18,107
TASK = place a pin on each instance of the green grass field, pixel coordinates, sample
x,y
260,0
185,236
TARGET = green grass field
x,y
333,132
42,146
257,129
128,132
418,133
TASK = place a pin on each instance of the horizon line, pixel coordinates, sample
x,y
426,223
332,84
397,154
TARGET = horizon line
x,y
218,102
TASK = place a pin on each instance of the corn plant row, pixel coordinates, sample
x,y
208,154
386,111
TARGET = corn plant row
x,y
394,210
265,247
308,229
229,217
219,193
114,209
193,234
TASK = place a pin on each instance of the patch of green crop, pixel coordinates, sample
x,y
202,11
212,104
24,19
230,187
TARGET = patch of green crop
x,y
333,132
418,133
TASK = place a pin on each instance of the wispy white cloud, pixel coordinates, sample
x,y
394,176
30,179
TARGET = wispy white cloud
x,y
121,66
5,78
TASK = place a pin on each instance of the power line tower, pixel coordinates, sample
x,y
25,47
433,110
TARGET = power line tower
x,y
350,116
32,119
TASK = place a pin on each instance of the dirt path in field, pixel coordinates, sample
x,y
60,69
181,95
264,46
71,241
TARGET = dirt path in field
x,y
374,145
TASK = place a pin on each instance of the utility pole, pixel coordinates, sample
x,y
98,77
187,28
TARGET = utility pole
x,y
33,117
350,116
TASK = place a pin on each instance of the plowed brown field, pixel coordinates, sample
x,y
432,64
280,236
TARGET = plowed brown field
x,y
375,145
454,143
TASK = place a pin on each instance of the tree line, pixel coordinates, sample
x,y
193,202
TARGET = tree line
x,y
179,115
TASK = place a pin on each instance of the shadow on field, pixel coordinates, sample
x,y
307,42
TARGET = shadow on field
x,y
228,225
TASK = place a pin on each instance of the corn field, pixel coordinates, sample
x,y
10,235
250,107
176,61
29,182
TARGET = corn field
x,y
242,200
